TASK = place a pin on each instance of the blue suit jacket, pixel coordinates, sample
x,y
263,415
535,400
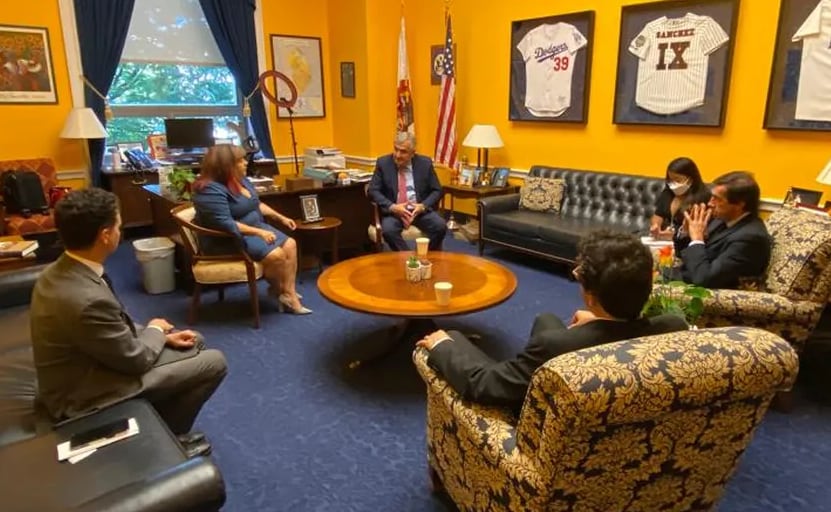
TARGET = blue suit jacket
x,y
383,189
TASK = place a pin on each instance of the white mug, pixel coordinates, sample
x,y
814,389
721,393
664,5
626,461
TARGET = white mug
x,y
443,290
421,246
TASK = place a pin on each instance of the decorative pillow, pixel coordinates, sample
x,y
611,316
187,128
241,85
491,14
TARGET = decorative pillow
x,y
541,194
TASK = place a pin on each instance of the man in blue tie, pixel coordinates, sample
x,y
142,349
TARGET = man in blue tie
x,y
735,246
406,189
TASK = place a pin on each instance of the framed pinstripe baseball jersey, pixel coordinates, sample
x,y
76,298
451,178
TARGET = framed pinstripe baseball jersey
x,y
799,94
674,62
550,67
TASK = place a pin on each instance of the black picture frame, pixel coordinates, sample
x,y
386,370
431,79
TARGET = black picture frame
x,y
310,208
688,110
347,79
579,62
784,87
500,177
806,196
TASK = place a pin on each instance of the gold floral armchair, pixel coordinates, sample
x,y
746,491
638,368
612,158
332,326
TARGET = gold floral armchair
x,y
655,423
795,288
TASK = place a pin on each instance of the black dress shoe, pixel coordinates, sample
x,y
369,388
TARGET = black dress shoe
x,y
200,449
191,437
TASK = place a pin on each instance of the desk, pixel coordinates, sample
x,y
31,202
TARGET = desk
x,y
466,192
133,203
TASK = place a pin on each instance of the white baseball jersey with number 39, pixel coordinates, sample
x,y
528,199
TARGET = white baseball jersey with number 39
x,y
548,51
674,55
813,97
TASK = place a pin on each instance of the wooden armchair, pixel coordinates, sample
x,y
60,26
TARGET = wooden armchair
x,y
14,224
653,423
215,270
375,232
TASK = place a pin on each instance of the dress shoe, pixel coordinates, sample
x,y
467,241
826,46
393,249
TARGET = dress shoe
x,y
191,437
199,449
284,304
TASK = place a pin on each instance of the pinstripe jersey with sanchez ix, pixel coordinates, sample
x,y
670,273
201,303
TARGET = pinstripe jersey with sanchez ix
x,y
813,100
674,54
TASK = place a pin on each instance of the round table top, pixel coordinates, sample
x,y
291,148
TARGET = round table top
x,y
377,284
323,223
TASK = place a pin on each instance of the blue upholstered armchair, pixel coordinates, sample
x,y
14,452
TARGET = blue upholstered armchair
x,y
655,423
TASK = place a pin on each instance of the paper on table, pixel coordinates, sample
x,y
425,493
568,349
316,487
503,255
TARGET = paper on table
x,y
64,452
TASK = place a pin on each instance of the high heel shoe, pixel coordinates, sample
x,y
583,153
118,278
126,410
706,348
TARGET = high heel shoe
x,y
274,292
284,305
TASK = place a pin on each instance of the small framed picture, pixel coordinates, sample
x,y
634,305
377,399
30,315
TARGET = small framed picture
x,y
311,211
347,79
466,177
500,177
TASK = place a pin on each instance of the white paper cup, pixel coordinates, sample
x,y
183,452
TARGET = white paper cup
x,y
421,246
443,290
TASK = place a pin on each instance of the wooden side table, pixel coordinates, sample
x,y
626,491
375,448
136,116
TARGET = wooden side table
x,y
15,262
310,232
468,192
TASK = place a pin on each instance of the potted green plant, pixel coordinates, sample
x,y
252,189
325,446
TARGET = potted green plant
x,y
674,297
413,269
179,180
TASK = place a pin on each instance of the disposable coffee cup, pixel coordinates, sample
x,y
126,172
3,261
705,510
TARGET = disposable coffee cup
x,y
421,246
443,290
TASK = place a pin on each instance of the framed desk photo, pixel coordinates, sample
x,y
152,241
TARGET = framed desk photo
x,y
310,208
674,61
797,93
300,59
550,68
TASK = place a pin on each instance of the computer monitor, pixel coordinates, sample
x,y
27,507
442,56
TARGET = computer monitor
x,y
187,134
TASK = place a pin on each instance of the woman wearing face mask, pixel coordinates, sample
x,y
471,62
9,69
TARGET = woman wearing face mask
x,y
684,187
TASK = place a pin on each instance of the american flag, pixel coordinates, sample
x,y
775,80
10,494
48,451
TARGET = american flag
x,y
446,148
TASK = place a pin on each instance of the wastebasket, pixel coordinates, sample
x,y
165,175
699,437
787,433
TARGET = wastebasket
x,y
157,268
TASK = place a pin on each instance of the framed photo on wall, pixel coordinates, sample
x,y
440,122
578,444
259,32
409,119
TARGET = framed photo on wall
x,y
26,69
798,90
300,59
674,61
347,79
550,68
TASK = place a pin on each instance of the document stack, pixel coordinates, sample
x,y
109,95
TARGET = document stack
x,y
321,157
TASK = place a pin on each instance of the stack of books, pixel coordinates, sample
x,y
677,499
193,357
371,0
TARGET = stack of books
x,y
17,249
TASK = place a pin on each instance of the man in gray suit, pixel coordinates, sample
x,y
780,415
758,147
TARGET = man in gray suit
x,y
88,351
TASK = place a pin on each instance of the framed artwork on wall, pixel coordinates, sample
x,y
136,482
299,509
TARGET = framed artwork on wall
x,y
26,73
347,79
674,61
550,68
300,59
798,93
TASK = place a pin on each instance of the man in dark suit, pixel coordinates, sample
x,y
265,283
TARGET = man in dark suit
x,y
614,270
88,351
735,246
406,189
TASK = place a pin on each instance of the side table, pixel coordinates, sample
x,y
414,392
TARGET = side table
x,y
308,234
15,262
468,192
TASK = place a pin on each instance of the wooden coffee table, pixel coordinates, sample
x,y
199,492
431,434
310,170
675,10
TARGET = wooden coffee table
x,y
377,284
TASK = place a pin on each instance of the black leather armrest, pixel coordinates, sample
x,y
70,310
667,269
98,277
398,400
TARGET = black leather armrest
x,y
194,485
16,285
498,204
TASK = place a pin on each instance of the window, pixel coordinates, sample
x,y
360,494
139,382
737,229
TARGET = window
x,y
170,67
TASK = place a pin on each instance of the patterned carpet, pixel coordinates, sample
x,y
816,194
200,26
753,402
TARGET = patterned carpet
x,y
293,429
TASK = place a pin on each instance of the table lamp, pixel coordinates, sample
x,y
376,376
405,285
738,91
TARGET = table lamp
x,y
482,137
824,176
82,123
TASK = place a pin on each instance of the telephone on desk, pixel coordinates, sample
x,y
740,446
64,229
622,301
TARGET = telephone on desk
x,y
138,159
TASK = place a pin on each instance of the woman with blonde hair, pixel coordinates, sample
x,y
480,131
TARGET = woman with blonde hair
x,y
225,200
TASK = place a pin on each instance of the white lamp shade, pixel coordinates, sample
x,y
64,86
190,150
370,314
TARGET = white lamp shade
x,y
825,175
82,123
483,136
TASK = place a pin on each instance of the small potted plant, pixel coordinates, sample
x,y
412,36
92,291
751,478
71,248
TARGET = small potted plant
x,y
413,268
426,269
178,181
674,297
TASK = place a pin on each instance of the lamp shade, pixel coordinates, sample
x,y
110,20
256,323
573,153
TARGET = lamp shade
x,y
82,123
483,136
825,175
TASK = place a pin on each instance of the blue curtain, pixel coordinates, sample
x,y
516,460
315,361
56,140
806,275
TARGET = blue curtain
x,y
232,25
102,30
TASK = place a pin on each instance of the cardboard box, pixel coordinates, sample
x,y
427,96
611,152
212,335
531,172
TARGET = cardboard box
x,y
299,183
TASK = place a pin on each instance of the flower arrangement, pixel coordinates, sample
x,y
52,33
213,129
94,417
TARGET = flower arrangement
x,y
673,297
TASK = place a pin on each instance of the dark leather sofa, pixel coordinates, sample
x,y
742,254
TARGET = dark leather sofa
x,y
591,200
156,482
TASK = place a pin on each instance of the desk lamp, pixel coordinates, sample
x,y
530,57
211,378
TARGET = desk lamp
x,y
824,176
82,123
482,137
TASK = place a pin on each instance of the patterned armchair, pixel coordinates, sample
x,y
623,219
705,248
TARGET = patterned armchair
x,y
795,288
655,423
13,224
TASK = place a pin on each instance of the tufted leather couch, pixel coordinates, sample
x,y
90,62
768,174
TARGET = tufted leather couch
x,y
653,423
591,200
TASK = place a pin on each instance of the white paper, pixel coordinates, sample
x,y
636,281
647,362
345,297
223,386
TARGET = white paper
x,y
80,453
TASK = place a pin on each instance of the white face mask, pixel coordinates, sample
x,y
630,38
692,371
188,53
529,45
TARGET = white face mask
x,y
678,188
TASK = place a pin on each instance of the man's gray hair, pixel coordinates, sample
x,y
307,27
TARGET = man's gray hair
x,y
402,137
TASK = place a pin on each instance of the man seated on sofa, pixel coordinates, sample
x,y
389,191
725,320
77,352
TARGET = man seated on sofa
x,y
89,353
735,245
406,189
614,270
